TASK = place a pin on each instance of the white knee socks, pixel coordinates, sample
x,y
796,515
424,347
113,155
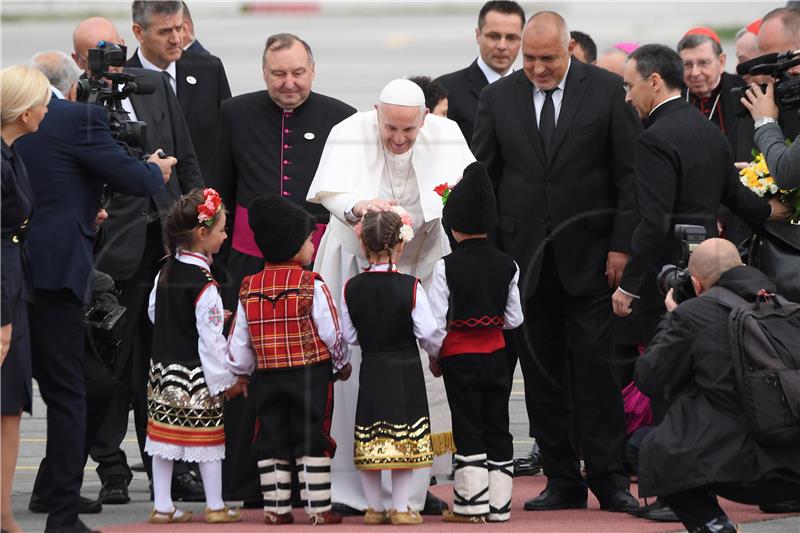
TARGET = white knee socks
x,y
162,484
211,472
371,483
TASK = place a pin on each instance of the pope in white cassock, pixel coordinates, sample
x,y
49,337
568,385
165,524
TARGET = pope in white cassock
x,y
395,154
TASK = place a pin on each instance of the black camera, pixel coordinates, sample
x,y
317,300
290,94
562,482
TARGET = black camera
x,y
109,89
104,320
776,65
677,277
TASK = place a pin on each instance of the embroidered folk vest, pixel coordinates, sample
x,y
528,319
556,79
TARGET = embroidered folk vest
x,y
278,302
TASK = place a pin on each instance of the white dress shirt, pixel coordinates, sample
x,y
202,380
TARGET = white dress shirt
x,y
558,96
170,70
491,74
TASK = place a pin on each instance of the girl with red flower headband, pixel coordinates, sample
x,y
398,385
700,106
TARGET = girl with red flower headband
x,y
187,372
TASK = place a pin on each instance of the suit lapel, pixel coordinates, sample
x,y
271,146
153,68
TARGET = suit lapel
x,y
186,90
573,95
523,103
477,80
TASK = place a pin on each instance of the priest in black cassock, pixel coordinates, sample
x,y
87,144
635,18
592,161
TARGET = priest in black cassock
x,y
268,143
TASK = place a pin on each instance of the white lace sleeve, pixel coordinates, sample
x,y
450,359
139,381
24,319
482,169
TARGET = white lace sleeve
x,y
241,357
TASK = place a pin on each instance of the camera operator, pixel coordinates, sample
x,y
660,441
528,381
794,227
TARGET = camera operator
x,y
684,171
70,159
704,446
130,254
779,32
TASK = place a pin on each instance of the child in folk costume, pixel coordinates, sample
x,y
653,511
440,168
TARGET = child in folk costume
x,y
386,313
474,297
287,331
187,371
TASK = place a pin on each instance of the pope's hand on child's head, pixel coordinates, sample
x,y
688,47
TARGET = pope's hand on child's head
x,y
344,373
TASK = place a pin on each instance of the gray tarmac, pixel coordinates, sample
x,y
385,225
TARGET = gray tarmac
x,y
358,47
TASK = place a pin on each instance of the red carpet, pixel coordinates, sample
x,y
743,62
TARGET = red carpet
x,y
591,520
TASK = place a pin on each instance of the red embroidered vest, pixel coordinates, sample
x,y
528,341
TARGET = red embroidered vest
x,y
278,303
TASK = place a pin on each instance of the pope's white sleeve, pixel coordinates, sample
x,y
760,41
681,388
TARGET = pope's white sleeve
x,y
513,317
211,344
438,298
326,319
241,357
338,204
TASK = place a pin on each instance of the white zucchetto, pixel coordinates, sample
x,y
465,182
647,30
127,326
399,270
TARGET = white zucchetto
x,y
403,92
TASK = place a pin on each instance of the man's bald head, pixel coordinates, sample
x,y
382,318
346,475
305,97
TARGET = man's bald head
x,y
90,32
546,49
549,25
711,259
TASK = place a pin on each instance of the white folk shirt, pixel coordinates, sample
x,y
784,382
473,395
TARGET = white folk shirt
x,y
439,298
425,324
242,357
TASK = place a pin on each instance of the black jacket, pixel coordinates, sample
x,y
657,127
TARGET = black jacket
x,y
684,171
704,437
584,197
202,86
463,89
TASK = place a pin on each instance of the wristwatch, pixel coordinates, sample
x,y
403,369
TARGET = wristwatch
x,y
760,121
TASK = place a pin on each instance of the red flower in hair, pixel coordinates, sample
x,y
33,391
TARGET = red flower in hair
x,y
209,208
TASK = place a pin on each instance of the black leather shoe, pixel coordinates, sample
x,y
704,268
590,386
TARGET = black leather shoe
x,y
345,510
433,506
138,467
187,487
552,498
531,464
656,511
618,501
780,507
77,527
85,505
114,491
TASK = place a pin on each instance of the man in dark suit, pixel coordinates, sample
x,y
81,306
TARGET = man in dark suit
x,y
684,172
70,159
499,35
130,253
557,141
708,88
190,42
198,79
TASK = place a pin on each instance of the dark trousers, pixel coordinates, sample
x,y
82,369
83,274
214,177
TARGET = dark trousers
x,y
571,389
57,342
294,409
99,390
699,506
478,392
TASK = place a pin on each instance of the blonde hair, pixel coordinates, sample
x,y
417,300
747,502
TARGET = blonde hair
x,y
21,89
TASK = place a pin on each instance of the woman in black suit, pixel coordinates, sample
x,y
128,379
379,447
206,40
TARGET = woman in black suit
x,y
25,95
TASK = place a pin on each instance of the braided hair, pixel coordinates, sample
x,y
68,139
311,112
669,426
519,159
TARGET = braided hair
x,y
380,234
180,225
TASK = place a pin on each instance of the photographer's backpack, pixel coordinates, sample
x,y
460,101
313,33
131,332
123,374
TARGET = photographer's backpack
x,y
765,346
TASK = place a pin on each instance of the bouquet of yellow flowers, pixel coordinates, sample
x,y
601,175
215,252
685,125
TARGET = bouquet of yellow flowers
x,y
757,178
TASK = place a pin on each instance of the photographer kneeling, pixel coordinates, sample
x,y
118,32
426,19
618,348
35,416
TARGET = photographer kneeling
x,y
705,445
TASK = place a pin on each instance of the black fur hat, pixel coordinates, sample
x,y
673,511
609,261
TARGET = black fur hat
x,y
279,226
471,207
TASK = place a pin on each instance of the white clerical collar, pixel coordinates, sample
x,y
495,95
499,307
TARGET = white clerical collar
x,y
150,66
562,83
664,102
193,258
58,93
490,73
